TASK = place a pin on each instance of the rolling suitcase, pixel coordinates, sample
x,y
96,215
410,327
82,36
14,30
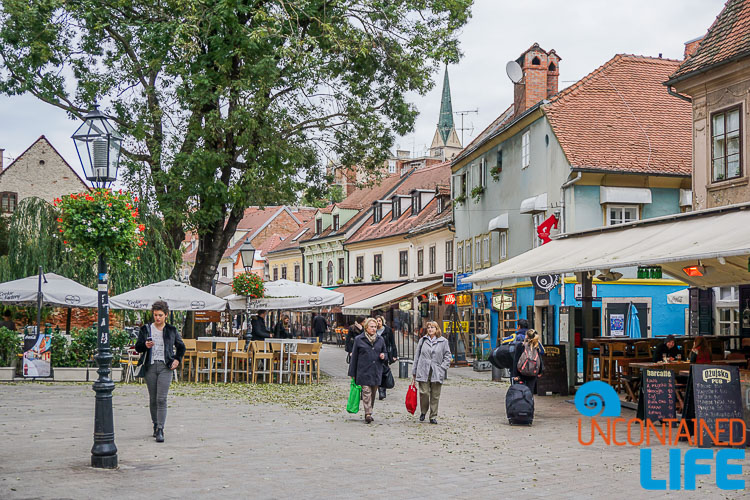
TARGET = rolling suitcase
x,y
519,405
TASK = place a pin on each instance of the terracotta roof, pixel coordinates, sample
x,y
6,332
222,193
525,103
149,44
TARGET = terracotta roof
x,y
304,214
290,243
270,244
619,118
423,178
255,217
361,199
727,39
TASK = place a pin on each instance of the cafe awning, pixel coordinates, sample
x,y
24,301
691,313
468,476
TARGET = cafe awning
x,y
407,290
715,240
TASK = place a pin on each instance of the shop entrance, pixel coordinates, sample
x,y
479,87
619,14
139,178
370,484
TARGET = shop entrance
x,y
544,323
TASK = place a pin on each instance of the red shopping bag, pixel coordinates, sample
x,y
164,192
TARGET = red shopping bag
x,y
411,399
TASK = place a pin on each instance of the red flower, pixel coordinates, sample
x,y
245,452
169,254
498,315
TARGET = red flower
x,y
61,230
135,199
109,204
141,227
59,219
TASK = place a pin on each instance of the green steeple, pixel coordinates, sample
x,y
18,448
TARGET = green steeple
x,y
445,123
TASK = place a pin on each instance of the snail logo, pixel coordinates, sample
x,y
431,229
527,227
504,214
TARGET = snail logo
x,y
596,399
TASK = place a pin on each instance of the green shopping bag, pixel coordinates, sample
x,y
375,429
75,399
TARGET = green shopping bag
x,y
355,395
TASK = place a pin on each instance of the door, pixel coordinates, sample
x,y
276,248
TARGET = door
x,y
617,319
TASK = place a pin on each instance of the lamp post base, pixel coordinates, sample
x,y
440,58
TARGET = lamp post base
x,y
109,462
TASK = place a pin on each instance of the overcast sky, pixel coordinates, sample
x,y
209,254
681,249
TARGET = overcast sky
x,y
584,33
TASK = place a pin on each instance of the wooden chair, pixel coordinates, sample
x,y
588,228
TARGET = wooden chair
x,y
717,348
594,355
315,360
259,352
276,360
240,357
611,353
189,359
128,362
642,350
205,352
302,357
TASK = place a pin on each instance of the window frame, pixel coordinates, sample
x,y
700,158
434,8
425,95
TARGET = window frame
x,y
283,272
725,157
341,268
536,219
403,263
432,259
311,273
526,149
460,256
12,198
482,173
330,278
503,245
415,203
420,262
296,272
486,249
377,264
468,247
621,207
320,271
318,226
336,222
449,255
359,266
395,208
275,273
477,252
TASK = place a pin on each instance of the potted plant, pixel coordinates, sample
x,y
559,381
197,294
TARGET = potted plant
x,y
249,284
10,348
339,281
72,360
357,279
480,363
477,192
460,199
375,277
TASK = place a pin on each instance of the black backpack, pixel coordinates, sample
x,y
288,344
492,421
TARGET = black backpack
x,y
502,356
519,405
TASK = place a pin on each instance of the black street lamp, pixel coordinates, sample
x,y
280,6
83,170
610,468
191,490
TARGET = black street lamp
x,y
98,145
247,252
213,292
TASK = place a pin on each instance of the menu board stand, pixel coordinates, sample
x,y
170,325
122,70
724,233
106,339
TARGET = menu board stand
x,y
657,395
555,376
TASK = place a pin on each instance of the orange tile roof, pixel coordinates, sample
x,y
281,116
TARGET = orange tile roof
x,y
619,118
270,244
255,217
290,243
727,39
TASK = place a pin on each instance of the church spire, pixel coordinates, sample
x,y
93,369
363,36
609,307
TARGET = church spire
x,y
445,122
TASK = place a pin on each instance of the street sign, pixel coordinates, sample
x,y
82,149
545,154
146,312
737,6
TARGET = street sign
x,y
449,279
450,299
455,327
207,316
460,285
433,298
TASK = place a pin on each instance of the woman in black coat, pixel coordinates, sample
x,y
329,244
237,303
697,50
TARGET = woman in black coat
x,y
282,329
532,340
390,348
366,367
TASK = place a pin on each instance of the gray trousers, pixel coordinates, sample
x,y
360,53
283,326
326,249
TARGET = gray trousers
x,y
429,396
158,378
368,397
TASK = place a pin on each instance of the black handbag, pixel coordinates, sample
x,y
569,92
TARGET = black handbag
x,y
387,381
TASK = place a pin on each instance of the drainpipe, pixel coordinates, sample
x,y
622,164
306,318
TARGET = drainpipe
x,y
563,187
675,94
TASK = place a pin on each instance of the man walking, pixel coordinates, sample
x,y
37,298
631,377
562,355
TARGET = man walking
x,y
319,326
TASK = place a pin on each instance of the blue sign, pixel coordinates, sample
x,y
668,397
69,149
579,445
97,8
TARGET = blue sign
x,y
460,285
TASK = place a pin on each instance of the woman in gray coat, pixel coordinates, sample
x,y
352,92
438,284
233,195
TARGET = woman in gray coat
x,y
431,364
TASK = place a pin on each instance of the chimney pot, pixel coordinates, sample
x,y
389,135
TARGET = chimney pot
x,y
691,47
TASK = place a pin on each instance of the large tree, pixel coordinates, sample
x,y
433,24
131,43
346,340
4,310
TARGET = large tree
x,y
232,103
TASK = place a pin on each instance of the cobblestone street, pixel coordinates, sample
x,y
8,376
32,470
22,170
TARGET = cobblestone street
x,y
283,441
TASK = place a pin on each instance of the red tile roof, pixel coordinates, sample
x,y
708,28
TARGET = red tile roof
x,y
255,217
423,178
270,244
727,39
619,118
290,243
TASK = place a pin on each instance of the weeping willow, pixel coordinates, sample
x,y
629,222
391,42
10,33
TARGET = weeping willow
x,y
33,242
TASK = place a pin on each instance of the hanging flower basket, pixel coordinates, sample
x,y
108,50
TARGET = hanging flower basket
x,y
249,285
101,222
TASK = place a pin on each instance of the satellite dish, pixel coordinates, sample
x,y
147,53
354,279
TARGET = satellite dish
x,y
515,73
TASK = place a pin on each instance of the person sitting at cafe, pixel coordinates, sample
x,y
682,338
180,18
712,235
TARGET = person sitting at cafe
x,y
701,352
283,328
260,330
668,348
7,322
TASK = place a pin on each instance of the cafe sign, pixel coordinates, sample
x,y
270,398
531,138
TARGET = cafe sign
x,y
405,305
502,301
463,300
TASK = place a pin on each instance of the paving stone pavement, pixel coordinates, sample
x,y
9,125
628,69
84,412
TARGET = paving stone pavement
x,y
273,442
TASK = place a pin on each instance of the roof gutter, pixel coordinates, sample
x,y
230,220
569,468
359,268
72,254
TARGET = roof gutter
x,y
677,94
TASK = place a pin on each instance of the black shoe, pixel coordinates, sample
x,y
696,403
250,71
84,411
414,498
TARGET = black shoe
x,y
433,420
155,427
159,435
381,394
368,419
421,417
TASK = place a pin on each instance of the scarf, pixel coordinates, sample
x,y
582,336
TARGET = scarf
x,y
372,338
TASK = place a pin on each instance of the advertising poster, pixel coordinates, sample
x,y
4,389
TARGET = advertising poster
x,y
37,350
617,324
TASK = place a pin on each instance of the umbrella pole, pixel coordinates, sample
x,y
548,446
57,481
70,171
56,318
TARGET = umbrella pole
x,y
39,305
67,321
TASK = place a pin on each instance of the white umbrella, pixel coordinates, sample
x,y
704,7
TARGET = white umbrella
x,y
178,296
58,291
285,294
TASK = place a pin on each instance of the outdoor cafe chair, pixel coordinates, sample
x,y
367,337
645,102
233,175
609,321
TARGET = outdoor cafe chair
x,y
259,353
188,361
241,357
302,358
612,352
593,362
204,352
129,361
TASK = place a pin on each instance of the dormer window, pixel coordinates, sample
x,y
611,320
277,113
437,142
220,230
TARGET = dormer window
x,y
415,203
318,226
439,204
396,209
336,222
377,212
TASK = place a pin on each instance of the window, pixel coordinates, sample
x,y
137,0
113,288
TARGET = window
x,y
415,205
391,166
318,226
478,252
377,212
336,222
396,210
433,258
283,273
503,245
726,145
463,185
420,261
486,249
360,267
460,257
275,273
482,181
620,214
8,202
467,256
403,263
377,265
449,255
499,166
310,276
440,204
536,219
296,272
224,272
729,321
525,149
341,269
320,272
330,273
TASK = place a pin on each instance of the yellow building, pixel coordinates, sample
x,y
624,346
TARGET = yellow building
x,y
285,259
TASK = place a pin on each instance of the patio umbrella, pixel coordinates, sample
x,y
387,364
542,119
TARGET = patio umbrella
x,y
634,325
178,296
56,291
285,294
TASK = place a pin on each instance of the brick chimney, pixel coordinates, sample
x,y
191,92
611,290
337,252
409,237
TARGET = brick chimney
x,y
541,70
2,152
691,46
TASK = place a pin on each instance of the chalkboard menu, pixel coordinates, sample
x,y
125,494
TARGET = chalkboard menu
x,y
745,388
713,392
555,376
657,397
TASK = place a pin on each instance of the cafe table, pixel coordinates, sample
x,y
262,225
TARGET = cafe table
x,y
225,340
285,342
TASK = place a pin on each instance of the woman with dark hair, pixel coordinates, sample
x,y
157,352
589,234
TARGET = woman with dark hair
x,y
701,352
162,349
390,348
282,329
